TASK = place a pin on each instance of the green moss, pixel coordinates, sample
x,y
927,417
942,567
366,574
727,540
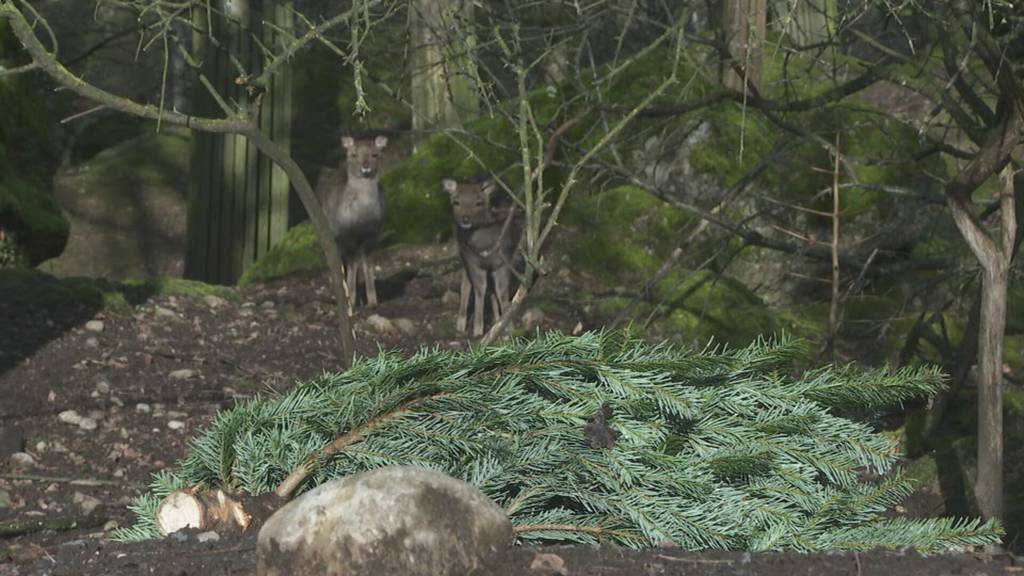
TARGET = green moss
x,y
33,217
418,209
705,305
1013,403
1013,351
27,211
22,286
923,471
737,141
182,287
106,132
153,160
623,234
1015,309
298,251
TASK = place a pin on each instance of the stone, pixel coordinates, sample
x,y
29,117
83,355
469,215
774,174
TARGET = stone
x,y
183,374
450,298
406,326
70,417
393,520
209,536
380,324
533,318
175,424
86,423
94,326
87,504
22,460
214,301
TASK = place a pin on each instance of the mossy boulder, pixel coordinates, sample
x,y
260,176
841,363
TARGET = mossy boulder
x,y
703,305
298,251
27,287
127,207
418,209
32,227
179,287
32,223
623,234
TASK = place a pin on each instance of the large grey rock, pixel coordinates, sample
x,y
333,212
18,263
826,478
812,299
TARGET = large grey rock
x,y
398,520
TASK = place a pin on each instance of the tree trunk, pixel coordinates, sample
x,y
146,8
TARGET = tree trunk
x,y
994,253
807,22
443,78
989,487
238,205
744,26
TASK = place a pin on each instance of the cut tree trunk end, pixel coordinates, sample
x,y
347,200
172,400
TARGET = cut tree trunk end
x,y
213,509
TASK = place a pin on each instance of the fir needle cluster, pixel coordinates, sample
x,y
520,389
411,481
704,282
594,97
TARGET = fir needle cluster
x,y
711,449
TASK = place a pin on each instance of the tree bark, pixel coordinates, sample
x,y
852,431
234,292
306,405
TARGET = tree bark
x,y
443,89
744,23
994,255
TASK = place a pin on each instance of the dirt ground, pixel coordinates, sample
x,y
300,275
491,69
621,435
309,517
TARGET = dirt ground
x,y
141,384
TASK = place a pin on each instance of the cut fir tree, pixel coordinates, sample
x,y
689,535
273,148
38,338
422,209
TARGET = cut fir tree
x,y
599,438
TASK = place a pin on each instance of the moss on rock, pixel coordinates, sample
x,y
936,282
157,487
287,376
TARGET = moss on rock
x,y
30,214
623,234
418,210
23,286
704,305
181,287
298,251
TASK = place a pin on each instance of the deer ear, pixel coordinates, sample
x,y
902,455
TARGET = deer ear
x,y
488,188
450,186
381,141
347,142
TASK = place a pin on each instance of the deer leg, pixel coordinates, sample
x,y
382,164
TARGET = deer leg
x,y
369,279
463,316
353,291
501,281
478,276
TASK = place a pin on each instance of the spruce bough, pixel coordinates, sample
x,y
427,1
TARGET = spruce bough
x,y
602,438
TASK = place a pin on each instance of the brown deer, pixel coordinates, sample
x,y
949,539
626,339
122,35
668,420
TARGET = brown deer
x,y
486,246
356,209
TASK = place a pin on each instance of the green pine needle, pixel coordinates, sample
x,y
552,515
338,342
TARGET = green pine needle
x,y
718,449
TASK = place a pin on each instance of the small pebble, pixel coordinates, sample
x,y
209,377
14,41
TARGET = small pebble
x,y
22,460
94,326
69,417
214,301
183,374
210,536
142,407
175,424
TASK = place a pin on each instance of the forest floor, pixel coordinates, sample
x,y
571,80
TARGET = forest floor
x,y
95,401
